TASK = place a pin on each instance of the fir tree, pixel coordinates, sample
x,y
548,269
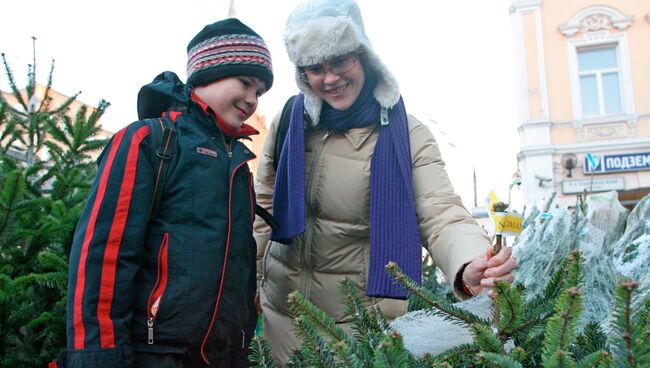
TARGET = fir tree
x,y
544,330
40,203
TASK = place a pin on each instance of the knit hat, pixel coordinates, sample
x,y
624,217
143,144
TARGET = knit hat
x,y
318,30
227,48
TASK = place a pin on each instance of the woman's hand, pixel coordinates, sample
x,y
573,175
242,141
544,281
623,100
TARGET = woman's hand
x,y
482,272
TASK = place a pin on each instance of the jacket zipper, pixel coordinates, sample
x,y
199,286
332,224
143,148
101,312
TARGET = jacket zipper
x,y
153,305
227,145
225,259
267,250
306,247
250,196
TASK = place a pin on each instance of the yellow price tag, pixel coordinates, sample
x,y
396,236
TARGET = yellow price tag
x,y
507,223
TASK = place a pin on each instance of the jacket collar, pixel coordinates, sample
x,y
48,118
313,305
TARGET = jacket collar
x,y
359,136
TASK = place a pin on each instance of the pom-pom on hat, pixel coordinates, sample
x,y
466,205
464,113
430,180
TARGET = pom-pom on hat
x,y
227,48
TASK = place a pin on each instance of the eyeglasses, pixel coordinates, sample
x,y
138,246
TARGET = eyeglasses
x,y
338,65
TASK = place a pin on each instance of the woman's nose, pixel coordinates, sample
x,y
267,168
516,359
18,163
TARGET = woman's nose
x,y
329,76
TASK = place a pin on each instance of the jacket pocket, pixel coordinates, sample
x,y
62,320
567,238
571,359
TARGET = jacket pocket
x,y
153,304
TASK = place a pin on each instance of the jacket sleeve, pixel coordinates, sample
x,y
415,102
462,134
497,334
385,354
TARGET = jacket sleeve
x,y
264,187
450,234
106,252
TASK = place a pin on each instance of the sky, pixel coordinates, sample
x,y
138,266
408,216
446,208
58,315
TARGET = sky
x,y
452,59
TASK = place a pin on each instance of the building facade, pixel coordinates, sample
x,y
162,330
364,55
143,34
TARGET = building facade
x,y
583,92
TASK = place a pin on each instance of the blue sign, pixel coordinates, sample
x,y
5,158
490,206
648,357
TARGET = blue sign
x,y
603,164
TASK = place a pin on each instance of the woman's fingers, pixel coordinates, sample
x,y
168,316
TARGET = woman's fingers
x,y
488,282
473,273
503,269
500,257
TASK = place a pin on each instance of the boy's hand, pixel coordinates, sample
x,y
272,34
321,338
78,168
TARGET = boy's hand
x,y
482,272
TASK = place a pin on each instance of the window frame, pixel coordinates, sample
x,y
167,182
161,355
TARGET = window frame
x,y
599,74
619,42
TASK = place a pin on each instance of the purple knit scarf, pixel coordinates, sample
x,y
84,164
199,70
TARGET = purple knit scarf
x,y
394,233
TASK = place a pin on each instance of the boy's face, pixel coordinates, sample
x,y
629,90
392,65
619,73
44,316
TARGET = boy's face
x,y
233,99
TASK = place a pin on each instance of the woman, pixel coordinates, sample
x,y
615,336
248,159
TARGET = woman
x,y
359,183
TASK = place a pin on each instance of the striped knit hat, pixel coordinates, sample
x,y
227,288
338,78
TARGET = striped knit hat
x,y
227,48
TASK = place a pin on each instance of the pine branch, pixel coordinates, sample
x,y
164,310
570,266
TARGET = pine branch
x,y
63,108
630,345
261,356
45,103
442,365
379,319
10,195
547,205
368,332
591,340
304,309
510,304
314,347
53,261
12,84
560,330
347,356
485,338
644,326
57,132
457,352
518,354
97,113
391,353
497,360
567,275
598,359
296,360
438,306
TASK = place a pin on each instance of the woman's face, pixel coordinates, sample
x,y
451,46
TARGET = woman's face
x,y
339,90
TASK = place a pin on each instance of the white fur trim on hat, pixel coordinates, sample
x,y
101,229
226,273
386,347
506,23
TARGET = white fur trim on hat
x,y
318,30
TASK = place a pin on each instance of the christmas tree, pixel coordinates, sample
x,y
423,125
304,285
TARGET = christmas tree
x,y
45,172
527,325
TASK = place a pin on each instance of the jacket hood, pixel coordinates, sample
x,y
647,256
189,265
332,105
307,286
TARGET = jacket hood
x,y
318,30
164,92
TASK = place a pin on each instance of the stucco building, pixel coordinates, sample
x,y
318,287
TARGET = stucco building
x,y
583,92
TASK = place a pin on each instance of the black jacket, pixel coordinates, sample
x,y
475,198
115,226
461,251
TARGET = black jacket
x,y
186,283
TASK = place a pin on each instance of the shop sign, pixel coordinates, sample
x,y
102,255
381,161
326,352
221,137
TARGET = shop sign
x,y
592,185
603,164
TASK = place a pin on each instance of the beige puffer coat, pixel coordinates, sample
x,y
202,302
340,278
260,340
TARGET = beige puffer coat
x,y
336,242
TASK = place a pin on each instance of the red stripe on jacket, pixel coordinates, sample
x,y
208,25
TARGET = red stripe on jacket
x,y
107,288
77,313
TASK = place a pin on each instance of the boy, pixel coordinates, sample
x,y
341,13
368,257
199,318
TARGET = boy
x,y
176,290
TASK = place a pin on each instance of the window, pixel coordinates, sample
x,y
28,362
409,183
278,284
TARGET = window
x,y
599,66
599,75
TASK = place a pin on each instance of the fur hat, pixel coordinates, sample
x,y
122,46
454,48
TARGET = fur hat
x,y
317,30
227,48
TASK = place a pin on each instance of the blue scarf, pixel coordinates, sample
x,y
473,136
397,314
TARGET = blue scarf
x,y
394,233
